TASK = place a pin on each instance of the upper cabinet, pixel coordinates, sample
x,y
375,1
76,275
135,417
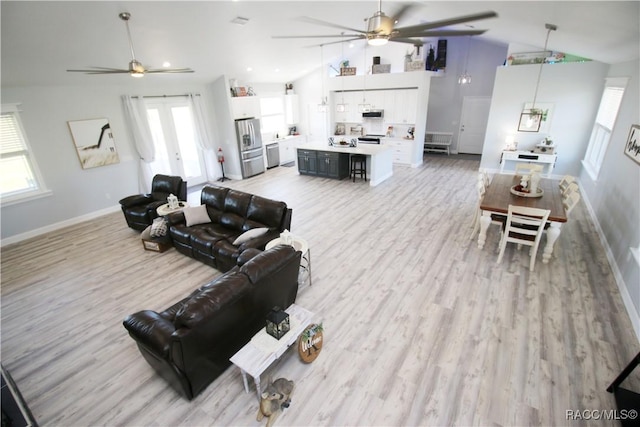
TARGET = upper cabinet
x,y
405,106
291,109
243,107
400,105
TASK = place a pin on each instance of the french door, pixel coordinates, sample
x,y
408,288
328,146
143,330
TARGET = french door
x,y
173,131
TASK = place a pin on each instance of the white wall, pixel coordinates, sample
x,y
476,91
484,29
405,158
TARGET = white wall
x,y
76,192
574,89
614,197
446,95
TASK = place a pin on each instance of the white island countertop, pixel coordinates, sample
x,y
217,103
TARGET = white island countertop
x,y
379,157
366,149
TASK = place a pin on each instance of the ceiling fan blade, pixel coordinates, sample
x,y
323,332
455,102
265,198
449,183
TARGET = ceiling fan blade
x,y
415,42
100,70
397,17
170,70
318,37
443,33
328,24
445,22
362,37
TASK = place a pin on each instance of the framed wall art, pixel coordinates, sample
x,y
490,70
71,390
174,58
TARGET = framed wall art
x,y
632,147
529,121
94,142
536,118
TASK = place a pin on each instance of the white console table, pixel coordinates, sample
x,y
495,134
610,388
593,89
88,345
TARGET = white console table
x,y
528,157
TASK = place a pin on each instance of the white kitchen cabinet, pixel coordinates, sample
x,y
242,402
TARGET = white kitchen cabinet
x,y
288,148
402,150
244,107
291,109
375,98
350,113
405,106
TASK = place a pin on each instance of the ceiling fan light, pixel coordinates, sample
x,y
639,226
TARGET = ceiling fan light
x,y
376,40
136,74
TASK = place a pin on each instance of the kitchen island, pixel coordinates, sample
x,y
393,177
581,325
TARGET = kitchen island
x,y
379,160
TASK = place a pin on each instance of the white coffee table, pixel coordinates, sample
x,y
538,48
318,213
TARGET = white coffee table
x,y
298,244
163,210
263,349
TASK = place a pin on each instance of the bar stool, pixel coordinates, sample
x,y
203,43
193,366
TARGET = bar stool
x,y
358,166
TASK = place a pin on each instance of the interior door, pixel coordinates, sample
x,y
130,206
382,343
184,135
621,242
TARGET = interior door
x,y
177,151
473,124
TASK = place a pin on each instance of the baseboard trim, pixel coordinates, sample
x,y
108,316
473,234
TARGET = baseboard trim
x,y
634,316
58,225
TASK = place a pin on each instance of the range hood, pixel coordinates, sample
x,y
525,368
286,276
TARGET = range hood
x,y
373,114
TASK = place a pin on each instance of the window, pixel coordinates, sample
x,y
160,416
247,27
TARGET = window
x,y
605,120
272,115
19,175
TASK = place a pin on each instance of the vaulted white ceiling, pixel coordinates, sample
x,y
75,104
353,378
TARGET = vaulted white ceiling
x,y
41,40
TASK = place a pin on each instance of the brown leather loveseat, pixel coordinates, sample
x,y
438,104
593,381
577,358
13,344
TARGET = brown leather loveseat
x,y
190,343
225,224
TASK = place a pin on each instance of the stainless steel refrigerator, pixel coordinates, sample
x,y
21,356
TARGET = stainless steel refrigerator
x,y
250,146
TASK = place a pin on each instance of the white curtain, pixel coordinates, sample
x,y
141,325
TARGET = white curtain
x,y
136,112
200,119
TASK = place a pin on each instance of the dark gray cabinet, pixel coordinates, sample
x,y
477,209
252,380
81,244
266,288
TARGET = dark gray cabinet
x,y
323,163
307,162
333,165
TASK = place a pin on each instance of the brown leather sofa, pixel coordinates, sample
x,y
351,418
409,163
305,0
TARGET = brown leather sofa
x,y
140,209
190,343
229,213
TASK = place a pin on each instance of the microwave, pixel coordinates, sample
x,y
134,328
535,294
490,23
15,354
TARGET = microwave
x,y
373,114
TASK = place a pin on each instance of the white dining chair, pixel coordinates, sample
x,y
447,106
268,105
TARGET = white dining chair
x,y
565,181
495,218
524,226
570,201
483,177
528,168
571,188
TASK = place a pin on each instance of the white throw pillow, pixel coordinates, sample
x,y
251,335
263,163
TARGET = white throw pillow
x,y
196,215
159,227
249,234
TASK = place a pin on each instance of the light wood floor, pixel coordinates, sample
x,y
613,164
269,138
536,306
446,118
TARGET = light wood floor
x,y
421,327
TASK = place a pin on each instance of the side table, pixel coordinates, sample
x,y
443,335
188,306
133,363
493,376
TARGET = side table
x,y
163,210
263,349
298,244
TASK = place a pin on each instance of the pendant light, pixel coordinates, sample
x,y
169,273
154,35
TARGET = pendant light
x,y
530,118
322,107
465,78
364,107
342,107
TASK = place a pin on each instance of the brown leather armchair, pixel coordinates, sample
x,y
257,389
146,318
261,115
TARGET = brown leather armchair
x,y
140,209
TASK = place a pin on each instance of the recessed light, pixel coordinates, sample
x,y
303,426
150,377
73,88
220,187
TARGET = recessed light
x,y
249,69
277,70
166,64
240,20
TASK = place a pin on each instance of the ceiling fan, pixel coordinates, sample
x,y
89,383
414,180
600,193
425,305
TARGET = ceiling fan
x,y
380,28
136,69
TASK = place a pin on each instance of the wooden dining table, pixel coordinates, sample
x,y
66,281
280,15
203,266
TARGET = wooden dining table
x,y
498,197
